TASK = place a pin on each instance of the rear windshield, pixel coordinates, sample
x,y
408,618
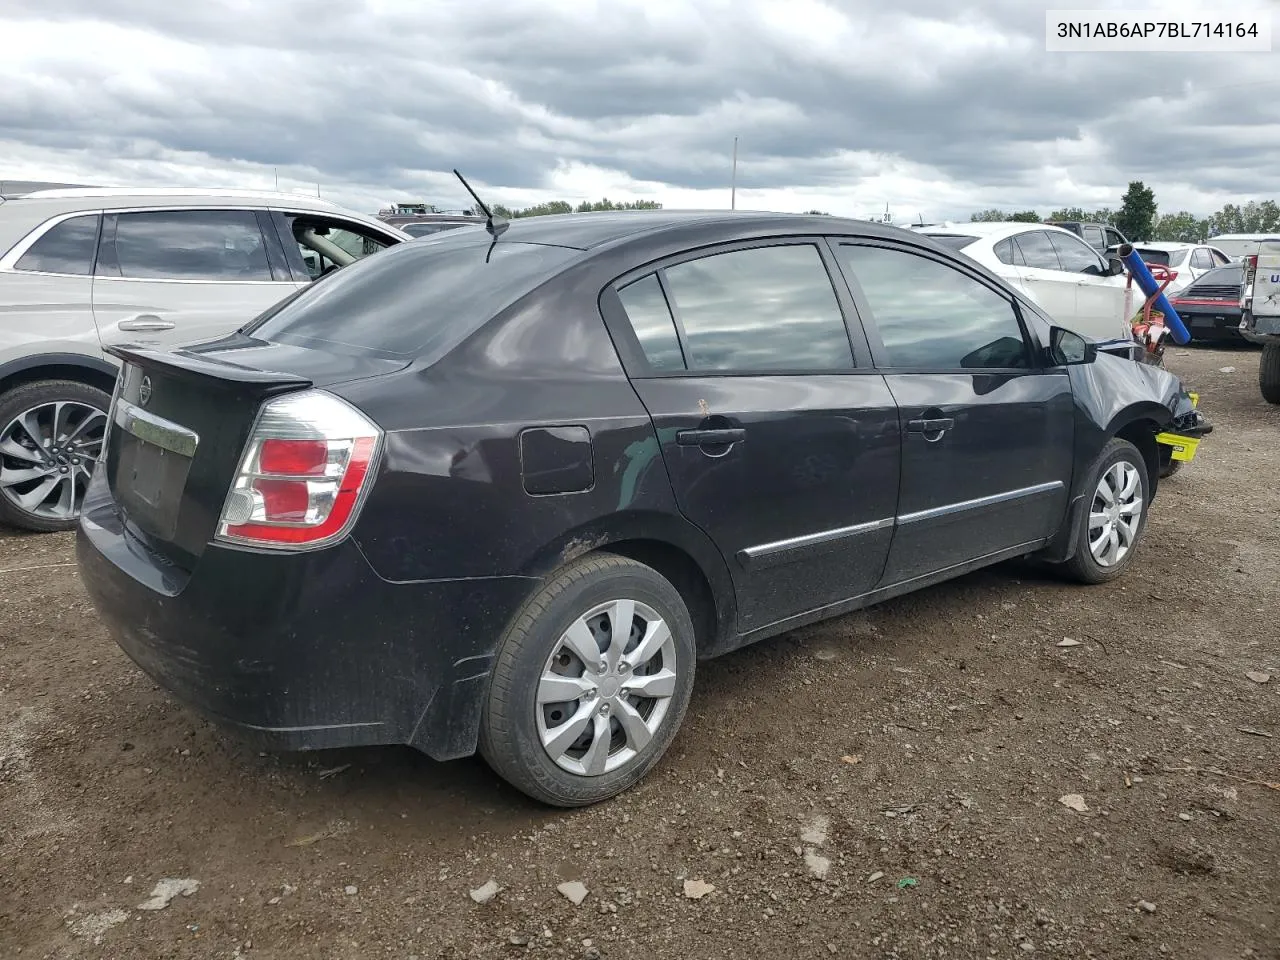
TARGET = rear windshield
x,y
952,240
1232,275
413,299
1165,258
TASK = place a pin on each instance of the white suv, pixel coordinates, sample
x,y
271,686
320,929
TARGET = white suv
x,y
81,269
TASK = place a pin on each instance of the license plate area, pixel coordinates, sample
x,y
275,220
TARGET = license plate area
x,y
152,460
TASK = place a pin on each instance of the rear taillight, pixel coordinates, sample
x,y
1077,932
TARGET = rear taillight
x,y
304,473
1252,261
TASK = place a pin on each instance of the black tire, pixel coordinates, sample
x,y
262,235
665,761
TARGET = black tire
x,y
12,405
509,736
1082,566
1269,372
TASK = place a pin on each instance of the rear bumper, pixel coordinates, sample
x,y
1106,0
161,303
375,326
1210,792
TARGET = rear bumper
x,y
301,651
1211,325
1264,329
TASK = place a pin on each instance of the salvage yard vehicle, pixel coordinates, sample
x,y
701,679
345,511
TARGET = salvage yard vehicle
x,y
502,490
1101,236
1187,262
82,269
1261,323
1074,284
1213,306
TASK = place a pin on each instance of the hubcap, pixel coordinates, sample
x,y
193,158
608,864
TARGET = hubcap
x,y
47,455
1115,514
606,687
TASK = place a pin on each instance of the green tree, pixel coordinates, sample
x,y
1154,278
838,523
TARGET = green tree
x,y
1000,216
1105,215
1137,212
1180,227
544,209
818,213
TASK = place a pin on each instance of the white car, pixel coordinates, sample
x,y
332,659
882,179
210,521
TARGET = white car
x,y
1065,276
1187,261
88,268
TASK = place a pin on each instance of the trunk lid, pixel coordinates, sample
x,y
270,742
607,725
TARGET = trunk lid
x,y
180,422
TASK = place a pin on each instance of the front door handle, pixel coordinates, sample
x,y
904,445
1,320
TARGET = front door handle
x,y
145,323
710,438
933,425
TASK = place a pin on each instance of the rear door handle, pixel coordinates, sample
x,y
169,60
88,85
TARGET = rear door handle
x,y
144,323
701,438
936,425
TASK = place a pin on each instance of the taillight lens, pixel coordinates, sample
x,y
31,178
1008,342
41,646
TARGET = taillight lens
x,y
304,473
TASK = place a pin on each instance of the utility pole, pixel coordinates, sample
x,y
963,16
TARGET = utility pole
x,y
733,183
277,173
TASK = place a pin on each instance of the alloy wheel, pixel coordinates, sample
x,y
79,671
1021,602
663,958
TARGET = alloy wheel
x,y
606,687
47,454
1116,514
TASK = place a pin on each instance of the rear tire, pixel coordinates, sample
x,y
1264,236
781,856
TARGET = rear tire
x,y
1269,372
43,477
1109,535
605,735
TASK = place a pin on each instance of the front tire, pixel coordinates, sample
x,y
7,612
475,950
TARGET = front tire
x,y
1269,372
1117,492
590,683
50,436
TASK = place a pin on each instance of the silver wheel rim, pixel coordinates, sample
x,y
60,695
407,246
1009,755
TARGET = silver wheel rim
x,y
47,455
1116,514
606,688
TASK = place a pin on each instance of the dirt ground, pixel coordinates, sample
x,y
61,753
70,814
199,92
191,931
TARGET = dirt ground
x,y
913,755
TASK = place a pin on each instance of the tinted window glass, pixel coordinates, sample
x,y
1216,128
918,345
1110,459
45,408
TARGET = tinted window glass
x,y
1074,254
1220,259
191,245
317,236
651,319
67,247
931,316
1037,251
1007,252
1160,257
1113,238
1201,259
414,299
1094,237
770,308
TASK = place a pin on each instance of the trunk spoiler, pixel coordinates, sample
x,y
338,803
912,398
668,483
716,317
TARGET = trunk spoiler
x,y
194,365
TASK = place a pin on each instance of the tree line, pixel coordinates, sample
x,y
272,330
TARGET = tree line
x,y
562,206
1138,218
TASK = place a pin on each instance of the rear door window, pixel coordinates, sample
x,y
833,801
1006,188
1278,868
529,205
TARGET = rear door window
x,y
1095,237
188,245
1037,250
1008,252
1201,260
651,319
67,247
762,308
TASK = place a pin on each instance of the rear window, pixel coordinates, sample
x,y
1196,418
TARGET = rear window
x,y
1216,281
1154,256
412,299
952,240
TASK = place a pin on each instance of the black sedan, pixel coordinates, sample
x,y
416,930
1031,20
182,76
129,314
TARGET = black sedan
x,y
503,492
1213,306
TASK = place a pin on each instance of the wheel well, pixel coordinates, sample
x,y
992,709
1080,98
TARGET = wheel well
x,y
59,371
685,575
1142,434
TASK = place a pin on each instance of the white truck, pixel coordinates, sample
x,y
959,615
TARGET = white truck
x,y
1261,323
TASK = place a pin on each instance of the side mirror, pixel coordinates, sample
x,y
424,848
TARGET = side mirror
x,y
1115,267
1069,349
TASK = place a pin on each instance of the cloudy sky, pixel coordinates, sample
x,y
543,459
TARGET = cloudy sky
x,y
934,107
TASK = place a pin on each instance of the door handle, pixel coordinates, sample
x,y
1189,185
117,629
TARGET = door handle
x,y
709,438
934,425
145,322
